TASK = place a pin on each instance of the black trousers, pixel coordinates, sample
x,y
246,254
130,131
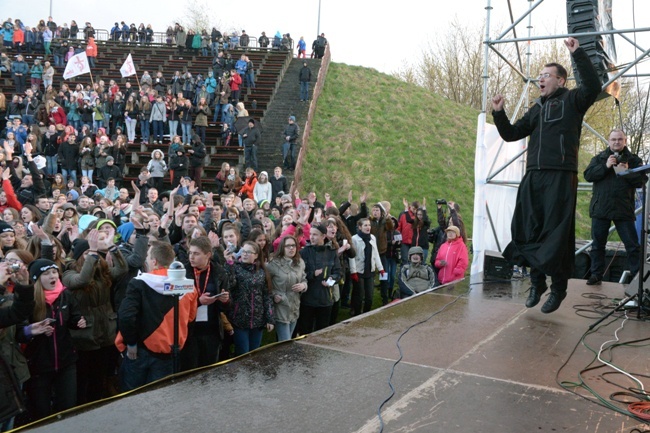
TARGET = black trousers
x,y
362,294
62,383
543,225
200,350
313,319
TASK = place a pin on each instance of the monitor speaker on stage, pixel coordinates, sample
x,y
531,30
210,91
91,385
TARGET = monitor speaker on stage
x,y
633,289
590,16
495,267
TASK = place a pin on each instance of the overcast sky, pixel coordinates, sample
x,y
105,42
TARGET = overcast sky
x,y
375,33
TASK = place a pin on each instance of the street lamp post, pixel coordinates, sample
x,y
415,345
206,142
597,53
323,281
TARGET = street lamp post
x,y
317,27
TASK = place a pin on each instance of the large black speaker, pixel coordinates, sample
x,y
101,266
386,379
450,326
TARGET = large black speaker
x,y
495,267
595,16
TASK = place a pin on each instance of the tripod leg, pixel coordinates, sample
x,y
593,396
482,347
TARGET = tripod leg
x,y
620,307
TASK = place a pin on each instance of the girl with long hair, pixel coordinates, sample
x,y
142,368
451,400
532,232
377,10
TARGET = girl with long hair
x,y
251,309
48,343
263,241
131,112
288,281
339,237
97,264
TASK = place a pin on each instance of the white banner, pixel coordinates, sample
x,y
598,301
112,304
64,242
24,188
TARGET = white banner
x,y
128,68
492,153
77,65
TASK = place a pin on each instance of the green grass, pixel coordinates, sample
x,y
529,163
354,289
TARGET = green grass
x,y
391,139
375,133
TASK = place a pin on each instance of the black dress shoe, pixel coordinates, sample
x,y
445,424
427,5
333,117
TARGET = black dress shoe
x,y
594,280
535,294
553,302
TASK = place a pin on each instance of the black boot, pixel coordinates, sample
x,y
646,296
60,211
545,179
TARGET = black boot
x,y
535,294
553,302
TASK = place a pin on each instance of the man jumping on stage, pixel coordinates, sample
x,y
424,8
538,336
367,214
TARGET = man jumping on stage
x,y
543,224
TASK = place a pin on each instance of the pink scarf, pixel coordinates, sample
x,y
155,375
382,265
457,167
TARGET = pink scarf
x,y
51,295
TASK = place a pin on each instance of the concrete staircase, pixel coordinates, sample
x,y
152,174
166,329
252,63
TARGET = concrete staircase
x,y
285,103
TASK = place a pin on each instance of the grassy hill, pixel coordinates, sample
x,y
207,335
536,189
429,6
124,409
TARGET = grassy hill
x,y
375,133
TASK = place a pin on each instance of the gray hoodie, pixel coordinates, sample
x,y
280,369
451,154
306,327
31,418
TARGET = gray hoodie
x,y
157,167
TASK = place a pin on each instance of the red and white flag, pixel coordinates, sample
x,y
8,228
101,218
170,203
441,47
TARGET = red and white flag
x,y
77,65
128,68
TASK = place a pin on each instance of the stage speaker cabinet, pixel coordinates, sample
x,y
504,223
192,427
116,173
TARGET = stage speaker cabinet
x,y
495,267
633,288
590,16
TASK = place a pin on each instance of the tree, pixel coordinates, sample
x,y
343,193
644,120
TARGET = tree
x,y
199,15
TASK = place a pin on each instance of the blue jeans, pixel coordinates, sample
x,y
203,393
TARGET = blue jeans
x,y
97,124
304,90
626,231
146,368
186,128
250,79
214,48
404,253
158,130
217,109
246,340
391,269
250,157
76,124
71,173
173,129
385,286
130,128
51,166
88,174
145,130
28,119
287,155
285,330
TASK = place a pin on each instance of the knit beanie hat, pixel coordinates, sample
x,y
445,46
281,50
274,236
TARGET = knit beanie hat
x,y
37,267
73,195
79,246
6,228
320,227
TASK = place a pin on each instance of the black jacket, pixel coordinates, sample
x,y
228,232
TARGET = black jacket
x,y
109,171
305,74
613,196
554,123
68,155
278,185
20,309
179,164
292,131
46,354
29,194
218,281
320,257
253,136
196,158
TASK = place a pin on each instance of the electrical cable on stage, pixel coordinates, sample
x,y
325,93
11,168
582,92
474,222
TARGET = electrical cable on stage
x,y
401,354
638,411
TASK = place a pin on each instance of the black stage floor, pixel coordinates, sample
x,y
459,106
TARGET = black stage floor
x,y
483,364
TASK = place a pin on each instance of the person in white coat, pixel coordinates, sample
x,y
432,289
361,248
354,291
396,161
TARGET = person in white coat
x,y
363,268
263,188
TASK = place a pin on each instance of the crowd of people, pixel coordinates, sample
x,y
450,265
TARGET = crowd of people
x,y
84,280
85,259
105,117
